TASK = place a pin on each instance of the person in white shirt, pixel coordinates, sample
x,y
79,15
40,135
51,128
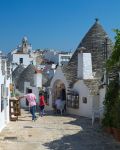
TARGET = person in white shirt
x,y
58,103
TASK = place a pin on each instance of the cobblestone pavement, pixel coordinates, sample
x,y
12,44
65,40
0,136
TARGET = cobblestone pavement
x,y
54,132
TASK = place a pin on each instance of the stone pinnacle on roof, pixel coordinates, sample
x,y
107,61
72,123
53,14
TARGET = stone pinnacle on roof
x,y
97,20
81,49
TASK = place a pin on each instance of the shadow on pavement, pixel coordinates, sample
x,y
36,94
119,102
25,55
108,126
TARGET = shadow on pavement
x,y
89,138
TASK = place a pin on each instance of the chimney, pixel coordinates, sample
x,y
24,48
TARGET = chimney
x,y
84,65
38,78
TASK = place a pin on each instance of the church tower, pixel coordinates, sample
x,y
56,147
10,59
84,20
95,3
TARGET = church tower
x,y
25,45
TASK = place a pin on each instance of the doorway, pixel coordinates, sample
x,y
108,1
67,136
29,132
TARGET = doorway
x,y
58,90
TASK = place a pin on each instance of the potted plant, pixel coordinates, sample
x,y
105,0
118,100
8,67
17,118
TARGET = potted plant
x,y
116,121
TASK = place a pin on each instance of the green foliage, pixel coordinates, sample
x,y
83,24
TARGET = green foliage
x,y
112,98
116,112
114,60
109,103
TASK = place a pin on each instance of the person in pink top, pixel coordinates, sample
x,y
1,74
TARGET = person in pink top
x,y
31,98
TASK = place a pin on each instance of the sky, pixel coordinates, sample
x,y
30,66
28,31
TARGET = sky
x,y
54,24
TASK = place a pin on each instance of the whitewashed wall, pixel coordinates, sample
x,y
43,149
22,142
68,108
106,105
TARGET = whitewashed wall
x,y
96,102
38,80
84,66
23,100
101,99
26,59
35,90
4,115
85,109
7,107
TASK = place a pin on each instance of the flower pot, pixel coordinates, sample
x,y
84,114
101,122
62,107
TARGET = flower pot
x,y
115,133
108,130
118,135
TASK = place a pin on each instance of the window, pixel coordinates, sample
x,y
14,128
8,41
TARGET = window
x,y
73,100
21,60
84,100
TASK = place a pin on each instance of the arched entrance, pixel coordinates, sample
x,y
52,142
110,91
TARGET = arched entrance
x,y
58,90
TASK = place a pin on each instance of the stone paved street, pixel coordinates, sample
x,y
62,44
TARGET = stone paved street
x,y
53,132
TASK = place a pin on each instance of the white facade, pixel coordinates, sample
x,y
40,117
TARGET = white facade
x,y
88,101
35,89
22,55
85,109
23,59
57,57
4,97
63,58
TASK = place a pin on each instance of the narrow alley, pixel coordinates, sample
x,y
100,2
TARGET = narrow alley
x,y
55,132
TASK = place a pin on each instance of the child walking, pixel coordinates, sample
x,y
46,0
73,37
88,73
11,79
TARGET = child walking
x,y
42,104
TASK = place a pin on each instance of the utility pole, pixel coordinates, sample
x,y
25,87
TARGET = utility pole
x,y
106,56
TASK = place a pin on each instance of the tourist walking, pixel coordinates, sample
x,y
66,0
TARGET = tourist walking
x,y
42,103
31,98
58,103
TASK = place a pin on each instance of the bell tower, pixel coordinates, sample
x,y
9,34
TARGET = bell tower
x,y
25,45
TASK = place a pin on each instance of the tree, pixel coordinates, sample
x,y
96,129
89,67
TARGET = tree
x,y
112,98
114,60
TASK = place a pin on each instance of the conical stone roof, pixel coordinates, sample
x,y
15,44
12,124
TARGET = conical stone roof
x,y
94,43
16,73
26,76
